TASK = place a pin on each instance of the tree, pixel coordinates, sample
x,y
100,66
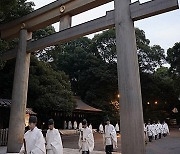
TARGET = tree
x,y
10,10
13,9
106,45
48,89
91,77
173,57
150,57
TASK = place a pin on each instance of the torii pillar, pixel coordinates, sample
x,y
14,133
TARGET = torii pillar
x,y
131,112
19,95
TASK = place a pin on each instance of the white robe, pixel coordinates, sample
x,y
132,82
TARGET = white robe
x,y
149,130
80,126
117,127
154,129
35,142
90,126
165,128
54,142
86,140
65,124
110,135
75,125
101,128
69,125
159,128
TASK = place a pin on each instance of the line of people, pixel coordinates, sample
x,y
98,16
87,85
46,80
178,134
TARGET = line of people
x,y
35,143
155,130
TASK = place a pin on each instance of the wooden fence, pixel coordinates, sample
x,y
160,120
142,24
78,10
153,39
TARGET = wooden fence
x,y
3,137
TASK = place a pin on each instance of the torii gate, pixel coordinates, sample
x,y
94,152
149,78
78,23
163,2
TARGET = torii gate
x,y
122,18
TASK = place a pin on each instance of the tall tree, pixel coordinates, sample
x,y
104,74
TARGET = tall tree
x,y
12,9
48,89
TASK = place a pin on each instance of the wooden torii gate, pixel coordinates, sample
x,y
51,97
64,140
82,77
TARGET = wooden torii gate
x,y
122,18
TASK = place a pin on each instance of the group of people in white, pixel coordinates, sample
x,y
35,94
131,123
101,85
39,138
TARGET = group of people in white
x,y
74,125
156,130
35,143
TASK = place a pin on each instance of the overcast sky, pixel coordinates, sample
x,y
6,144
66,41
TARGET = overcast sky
x,y
163,29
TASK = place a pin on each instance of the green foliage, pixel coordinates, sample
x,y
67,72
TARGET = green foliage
x,y
91,77
150,57
13,9
174,59
48,89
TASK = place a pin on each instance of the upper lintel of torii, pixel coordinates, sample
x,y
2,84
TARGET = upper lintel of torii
x,y
138,11
52,13
48,15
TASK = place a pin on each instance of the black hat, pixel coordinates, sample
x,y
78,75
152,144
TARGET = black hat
x,y
84,122
51,122
33,119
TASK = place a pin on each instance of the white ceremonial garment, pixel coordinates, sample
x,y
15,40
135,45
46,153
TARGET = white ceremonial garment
x,y
165,128
101,128
117,127
80,126
154,130
75,125
35,142
145,130
86,140
110,135
158,126
65,124
69,125
54,142
90,126
149,130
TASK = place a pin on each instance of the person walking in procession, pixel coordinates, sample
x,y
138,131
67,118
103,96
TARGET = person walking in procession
x,y
165,129
53,140
101,129
117,128
149,131
154,130
34,142
86,139
110,137
159,129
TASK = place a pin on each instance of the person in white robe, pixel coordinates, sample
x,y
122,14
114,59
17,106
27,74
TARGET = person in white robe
x,y
65,124
117,128
34,142
86,139
110,138
80,125
145,134
149,131
101,129
75,125
69,125
154,130
165,129
53,140
159,129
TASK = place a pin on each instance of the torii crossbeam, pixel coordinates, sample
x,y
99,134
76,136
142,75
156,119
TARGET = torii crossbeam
x,y
122,18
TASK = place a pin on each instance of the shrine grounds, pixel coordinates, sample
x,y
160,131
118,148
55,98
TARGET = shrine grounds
x,y
167,145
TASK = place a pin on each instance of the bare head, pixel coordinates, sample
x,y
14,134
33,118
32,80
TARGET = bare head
x,y
84,123
108,121
32,122
51,124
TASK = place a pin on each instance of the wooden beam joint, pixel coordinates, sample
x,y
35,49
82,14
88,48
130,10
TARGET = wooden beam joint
x,y
151,8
